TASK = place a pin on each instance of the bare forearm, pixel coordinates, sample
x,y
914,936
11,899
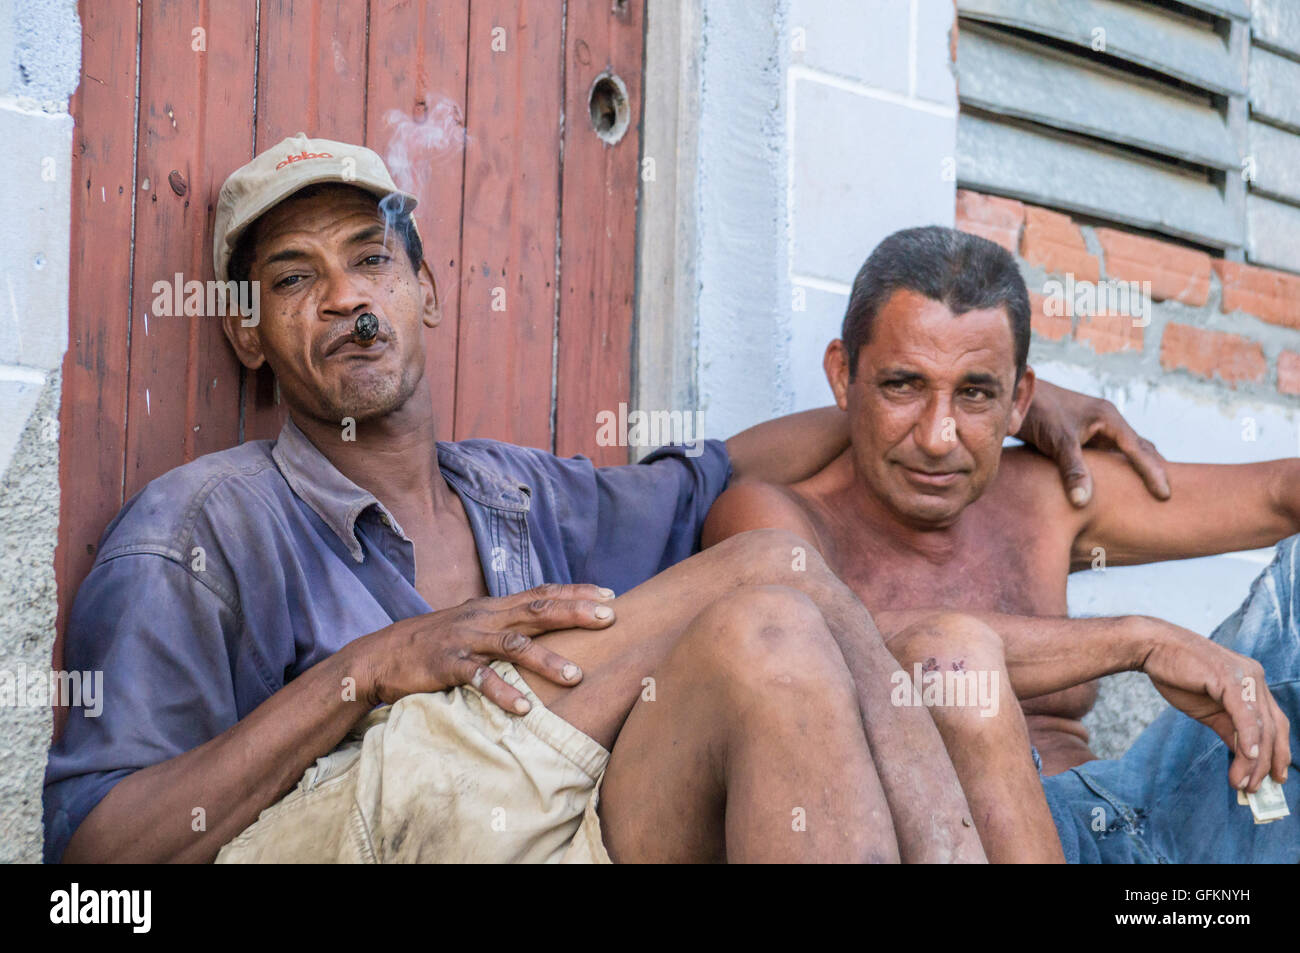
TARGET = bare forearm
x,y
1217,508
1286,493
790,448
150,815
1047,654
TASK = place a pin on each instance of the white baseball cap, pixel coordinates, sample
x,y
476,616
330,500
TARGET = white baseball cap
x,y
276,173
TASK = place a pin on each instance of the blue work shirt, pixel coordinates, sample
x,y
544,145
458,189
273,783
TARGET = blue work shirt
x,y
226,578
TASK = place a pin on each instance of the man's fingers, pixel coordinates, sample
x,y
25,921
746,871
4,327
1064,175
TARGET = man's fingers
x,y
474,670
557,591
1141,453
1281,742
547,615
1264,763
1074,472
524,652
1250,742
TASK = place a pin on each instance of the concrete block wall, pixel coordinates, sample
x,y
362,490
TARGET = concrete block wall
x,y
825,125
40,62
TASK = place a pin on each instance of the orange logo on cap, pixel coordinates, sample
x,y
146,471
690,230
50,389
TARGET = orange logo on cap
x,y
289,160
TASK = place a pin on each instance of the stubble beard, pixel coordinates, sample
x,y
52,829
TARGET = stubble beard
x,y
371,398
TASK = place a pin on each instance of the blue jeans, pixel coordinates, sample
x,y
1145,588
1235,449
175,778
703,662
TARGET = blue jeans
x,y
1167,800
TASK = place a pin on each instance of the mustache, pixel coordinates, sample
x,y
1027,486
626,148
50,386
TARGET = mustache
x,y
952,463
341,333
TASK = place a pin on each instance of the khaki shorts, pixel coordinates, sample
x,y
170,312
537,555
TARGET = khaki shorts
x,y
445,777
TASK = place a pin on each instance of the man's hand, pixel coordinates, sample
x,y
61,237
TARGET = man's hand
x,y
1061,422
434,652
1225,691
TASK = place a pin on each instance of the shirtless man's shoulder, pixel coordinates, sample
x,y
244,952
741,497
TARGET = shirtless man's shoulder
x,y
1028,487
753,504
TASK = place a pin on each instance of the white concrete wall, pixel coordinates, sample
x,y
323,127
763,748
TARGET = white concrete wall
x,y
40,61
1191,423
825,125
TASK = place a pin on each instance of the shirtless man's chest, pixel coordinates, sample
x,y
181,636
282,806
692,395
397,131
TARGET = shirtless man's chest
x,y
1005,558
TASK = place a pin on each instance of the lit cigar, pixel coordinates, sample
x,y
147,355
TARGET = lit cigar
x,y
366,329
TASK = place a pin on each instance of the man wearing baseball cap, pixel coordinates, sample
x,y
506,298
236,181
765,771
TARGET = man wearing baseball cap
x,y
359,643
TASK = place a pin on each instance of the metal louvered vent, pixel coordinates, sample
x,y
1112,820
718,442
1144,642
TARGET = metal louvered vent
x,y
1273,135
1155,114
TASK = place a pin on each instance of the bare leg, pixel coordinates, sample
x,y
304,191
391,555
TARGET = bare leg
x,y
920,784
988,744
750,727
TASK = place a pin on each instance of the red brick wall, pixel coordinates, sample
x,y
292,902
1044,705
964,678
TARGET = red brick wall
x,y
1224,331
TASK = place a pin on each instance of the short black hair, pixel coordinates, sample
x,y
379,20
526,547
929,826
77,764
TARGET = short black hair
x,y
962,271
398,214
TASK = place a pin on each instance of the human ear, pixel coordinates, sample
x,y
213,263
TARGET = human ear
x,y
836,364
431,312
245,339
1024,396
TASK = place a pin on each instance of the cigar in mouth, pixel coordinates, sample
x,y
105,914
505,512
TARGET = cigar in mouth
x,y
366,329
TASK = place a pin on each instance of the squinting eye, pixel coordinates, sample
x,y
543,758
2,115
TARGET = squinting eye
x,y
288,281
375,259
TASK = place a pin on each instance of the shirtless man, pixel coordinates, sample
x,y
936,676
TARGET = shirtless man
x,y
925,511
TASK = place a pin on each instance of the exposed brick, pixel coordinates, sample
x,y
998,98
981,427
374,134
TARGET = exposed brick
x,y
1109,333
1230,357
1054,327
1054,242
991,217
1263,292
1288,372
1175,273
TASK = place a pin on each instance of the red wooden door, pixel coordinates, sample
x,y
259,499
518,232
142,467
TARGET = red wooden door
x,y
481,108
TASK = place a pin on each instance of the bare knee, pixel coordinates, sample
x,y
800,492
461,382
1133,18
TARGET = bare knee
x,y
954,665
948,640
765,637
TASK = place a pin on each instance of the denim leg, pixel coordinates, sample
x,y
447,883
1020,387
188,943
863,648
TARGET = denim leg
x,y
1167,799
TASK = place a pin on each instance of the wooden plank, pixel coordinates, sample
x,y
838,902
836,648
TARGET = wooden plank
x,y
503,386
312,79
598,226
416,120
1069,174
92,417
311,70
1013,77
664,362
194,127
1178,46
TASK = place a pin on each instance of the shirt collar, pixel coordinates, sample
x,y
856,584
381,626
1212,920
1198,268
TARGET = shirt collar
x,y
339,502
